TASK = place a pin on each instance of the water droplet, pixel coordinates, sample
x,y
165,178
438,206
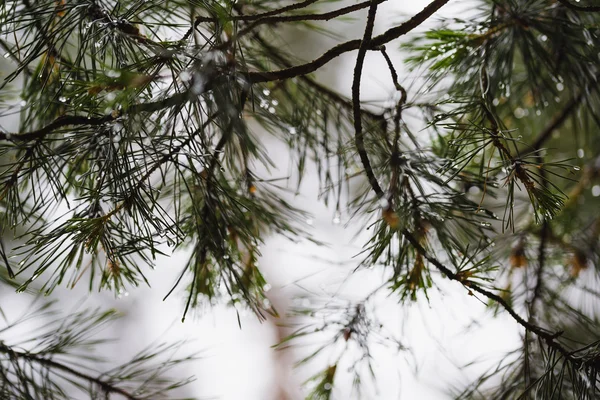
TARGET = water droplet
x,y
538,112
226,257
310,221
275,102
266,92
272,110
292,130
185,76
337,218
596,190
266,303
495,102
543,38
62,99
384,203
519,113
111,73
267,287
486,224
327,386
6,55
576,168
98,44
580,153
23,103
560,87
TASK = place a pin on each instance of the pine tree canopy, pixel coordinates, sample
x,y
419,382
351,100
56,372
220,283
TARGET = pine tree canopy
x,y
135,129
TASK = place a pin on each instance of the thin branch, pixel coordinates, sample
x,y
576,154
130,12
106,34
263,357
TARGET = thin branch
x,y
322,89
375,43
549,337
359,136
246,18
79,120
106,386
307,17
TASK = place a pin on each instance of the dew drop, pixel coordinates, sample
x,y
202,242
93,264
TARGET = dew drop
x,y
576,168
111,73
292,130
185,76
337,218
580,153
519,113
596,190
6,55
267,287
310,221
266,92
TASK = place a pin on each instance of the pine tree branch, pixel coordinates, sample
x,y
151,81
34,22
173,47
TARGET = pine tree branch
x,y
78,120
162,160
44,37
254,17
336,51
550,338
359,135
247,18
322,89
253,77
106,386
306,17
576,7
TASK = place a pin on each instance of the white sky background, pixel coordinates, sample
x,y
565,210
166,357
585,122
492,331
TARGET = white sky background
x,y
240,364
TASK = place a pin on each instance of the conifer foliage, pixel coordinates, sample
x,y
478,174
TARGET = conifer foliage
x,y
137,120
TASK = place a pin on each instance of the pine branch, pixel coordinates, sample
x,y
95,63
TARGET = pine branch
x,y
576,7
336,51
75,120
359,138
305,17
106,386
